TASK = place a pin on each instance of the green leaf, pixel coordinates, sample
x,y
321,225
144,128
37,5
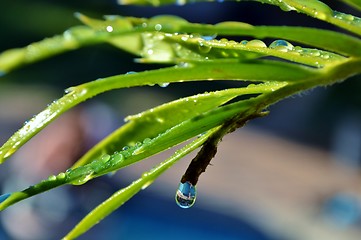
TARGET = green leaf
x,y
253,71
70,40
153,122
171,137
123,195
128,34
313,8
354,3
323,39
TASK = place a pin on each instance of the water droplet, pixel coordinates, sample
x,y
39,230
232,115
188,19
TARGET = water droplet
x,y
347,17
256,43
131,72
203,48
4,197
147,140
185,196
61,175
52,178
325,56
184,65
109,28
185,38
160,120
315,53
209,37
105,157
125,148
163,84
320,9
158,27
281,45
118,157
244,42
126,154
82,179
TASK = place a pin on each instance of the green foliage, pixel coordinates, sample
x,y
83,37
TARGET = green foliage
x,y
195,54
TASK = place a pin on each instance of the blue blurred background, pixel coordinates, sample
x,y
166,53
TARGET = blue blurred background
x,y
292,175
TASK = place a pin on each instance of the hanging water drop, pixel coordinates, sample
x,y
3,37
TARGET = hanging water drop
x,y
4,197
163,85
203,48
185,196
83,179
281,45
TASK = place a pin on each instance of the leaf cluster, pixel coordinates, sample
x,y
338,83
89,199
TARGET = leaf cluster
x,y
193,52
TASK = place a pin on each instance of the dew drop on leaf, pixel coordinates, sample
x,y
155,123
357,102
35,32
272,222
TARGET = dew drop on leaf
x,y
52,178
105,157
158,27
60,176
256,43
109,28
281,45
82,179
185,196
204,48
325,56
118,157
209,37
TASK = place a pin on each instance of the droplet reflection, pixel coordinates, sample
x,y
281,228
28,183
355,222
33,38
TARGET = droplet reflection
x,y
185,196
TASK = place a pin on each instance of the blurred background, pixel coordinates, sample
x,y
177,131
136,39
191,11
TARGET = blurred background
x,y
292,175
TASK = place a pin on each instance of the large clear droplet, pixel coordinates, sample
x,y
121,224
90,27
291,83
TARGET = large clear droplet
x,y
83,179
186,194
4,197
281,45
209,37
256,43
